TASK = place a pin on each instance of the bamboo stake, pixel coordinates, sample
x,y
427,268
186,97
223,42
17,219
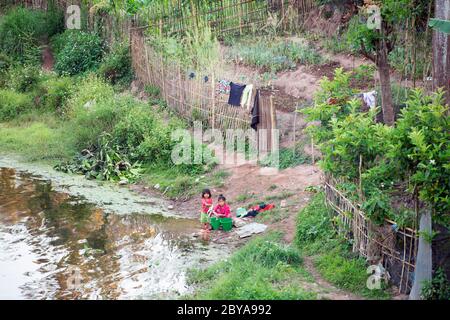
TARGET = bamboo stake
x,y
213,96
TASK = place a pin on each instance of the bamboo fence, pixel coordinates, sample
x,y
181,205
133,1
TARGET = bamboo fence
x,y
394,247
194,98
222,16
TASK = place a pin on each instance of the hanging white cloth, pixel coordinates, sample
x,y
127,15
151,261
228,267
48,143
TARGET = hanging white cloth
x,y
246,98
370,99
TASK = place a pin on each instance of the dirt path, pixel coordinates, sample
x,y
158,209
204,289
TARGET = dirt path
x,y
47,59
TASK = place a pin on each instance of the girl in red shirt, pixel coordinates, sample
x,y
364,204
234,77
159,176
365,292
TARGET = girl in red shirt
x,y
207,204
222,210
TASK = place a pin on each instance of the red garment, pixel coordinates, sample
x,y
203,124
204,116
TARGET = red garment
x,y
206,204
223,211
259,209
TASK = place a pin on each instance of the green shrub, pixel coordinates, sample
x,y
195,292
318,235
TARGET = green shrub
x,y
77,52
5,64
87,93
438,288
116,66
24,78
21,30
56,92
88,123
13,104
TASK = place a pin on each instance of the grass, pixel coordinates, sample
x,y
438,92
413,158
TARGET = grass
x,y
287,158
37,138
275,215
280,196
333,259
218,178
264,269
245,196
176,183
274,55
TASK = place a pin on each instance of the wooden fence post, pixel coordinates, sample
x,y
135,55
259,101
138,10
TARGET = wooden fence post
x,y
213,96
273,124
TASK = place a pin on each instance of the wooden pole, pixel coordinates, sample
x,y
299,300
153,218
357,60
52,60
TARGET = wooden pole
x,y
272,123
213,97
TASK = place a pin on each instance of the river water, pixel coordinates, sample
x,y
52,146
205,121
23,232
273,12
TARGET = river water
x,y
58,246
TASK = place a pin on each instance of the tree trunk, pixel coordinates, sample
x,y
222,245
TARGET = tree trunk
x,y
441,51
385,81
424,262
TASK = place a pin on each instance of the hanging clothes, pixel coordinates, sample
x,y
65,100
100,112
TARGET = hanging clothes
x,y
255,112
236,91
223,87
247,96
370,99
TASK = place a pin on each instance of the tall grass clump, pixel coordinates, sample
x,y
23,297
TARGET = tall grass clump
x,y
22,30
12,104
274,55
195,50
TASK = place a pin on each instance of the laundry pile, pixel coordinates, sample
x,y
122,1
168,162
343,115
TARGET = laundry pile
x,y
254,211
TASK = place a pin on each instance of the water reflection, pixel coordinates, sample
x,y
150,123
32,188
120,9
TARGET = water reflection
x,y
54,246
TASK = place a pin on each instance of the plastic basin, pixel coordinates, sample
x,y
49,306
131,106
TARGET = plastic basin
x,y
227,224
215,223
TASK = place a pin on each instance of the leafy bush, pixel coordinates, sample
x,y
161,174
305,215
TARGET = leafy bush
x,y
106,163
24,78
13,104
438,288
89,122
56,92
378,157
5,64
87,93
77,52
144,136
116,66
22,29
421,148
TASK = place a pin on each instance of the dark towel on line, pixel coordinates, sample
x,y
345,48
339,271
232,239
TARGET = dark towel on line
x,y
236,91
255,111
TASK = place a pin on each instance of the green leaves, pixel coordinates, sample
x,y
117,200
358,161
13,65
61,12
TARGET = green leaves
x,y
415,153
77,51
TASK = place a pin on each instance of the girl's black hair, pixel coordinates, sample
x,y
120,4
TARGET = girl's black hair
x,y
221,197
206,191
